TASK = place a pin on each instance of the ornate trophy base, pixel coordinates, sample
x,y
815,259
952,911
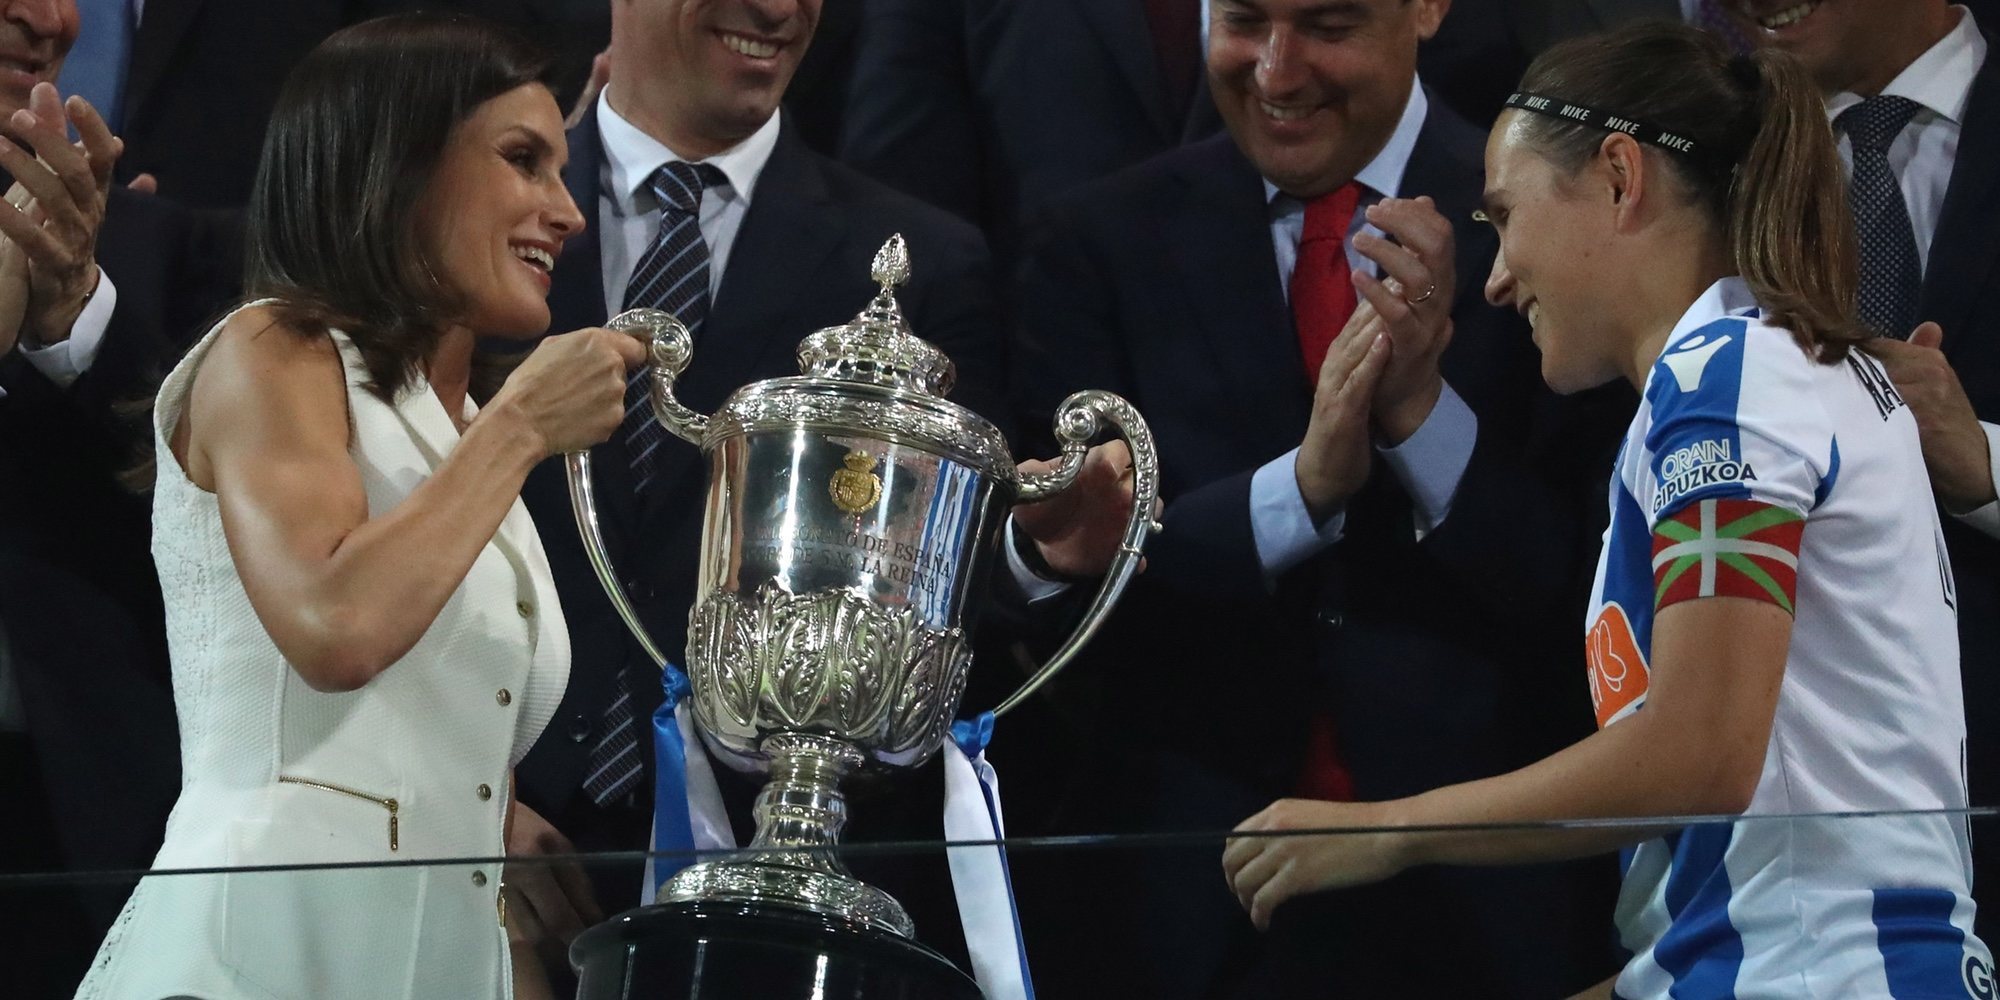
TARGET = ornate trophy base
x,y
728,950
828,893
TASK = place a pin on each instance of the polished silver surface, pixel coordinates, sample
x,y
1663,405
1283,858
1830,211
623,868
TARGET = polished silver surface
x,y
852,517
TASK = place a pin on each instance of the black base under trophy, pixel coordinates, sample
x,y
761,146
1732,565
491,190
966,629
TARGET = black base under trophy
x,y
736,951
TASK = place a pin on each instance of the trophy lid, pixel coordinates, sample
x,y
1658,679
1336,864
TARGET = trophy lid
x,y
878,347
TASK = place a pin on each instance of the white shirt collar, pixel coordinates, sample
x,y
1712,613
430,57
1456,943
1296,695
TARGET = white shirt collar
x,y
1940,80
1384,174
631,156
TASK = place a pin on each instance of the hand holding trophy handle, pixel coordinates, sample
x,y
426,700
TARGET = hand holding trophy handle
x,y
671,347
1078,420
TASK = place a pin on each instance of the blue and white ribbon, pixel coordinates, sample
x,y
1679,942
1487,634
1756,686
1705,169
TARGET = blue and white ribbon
x,y
979,875
687,806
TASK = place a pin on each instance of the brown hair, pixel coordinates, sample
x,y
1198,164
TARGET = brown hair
x,y
358,132
1772,182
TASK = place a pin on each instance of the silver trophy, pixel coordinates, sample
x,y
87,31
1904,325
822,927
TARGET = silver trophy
x,y
851,516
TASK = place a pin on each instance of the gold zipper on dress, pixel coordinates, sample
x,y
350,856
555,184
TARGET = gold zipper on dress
x,y
389,804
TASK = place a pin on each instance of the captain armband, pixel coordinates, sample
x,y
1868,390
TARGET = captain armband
x,y
1727,548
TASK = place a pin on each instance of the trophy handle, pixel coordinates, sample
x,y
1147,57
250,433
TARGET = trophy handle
x,y
1078,420
670,348
583,503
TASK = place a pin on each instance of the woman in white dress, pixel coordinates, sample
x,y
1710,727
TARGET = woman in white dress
x,y
364,632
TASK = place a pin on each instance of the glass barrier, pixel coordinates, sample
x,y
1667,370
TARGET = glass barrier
x,y
1846,905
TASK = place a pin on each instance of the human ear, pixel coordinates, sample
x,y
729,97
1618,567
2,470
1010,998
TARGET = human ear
x,y
1623,161
1430,14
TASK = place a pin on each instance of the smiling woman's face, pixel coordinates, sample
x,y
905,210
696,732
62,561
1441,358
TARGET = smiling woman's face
x,y
493,221
1549,267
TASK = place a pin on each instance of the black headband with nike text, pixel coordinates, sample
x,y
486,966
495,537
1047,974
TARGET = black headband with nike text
x,y
1556,107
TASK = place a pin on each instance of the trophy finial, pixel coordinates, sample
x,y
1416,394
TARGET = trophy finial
x,y
892,264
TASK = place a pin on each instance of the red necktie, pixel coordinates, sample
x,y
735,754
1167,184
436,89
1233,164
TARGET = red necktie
x,y
1323,298
1322,285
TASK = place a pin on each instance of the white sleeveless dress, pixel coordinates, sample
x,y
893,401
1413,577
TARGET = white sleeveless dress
x,y
412,766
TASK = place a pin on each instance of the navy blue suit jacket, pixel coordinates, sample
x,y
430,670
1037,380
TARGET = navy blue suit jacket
x,y
989,108
79,599
1452,658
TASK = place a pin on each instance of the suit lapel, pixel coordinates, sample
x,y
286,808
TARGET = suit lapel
x,y
1121,25
1203,118
1963,251
424,416
1220,239
576,295
161,28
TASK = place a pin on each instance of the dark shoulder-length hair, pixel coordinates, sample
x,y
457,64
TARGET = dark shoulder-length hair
x,y
354,141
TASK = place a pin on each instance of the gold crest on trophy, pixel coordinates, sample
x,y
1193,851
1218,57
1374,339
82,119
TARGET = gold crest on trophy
x,y
856,488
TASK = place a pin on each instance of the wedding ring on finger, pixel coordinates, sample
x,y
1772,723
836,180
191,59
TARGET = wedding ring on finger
x,y
1426,297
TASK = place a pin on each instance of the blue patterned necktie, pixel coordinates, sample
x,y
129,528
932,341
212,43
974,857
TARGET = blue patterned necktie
x,y
1891,272
672,275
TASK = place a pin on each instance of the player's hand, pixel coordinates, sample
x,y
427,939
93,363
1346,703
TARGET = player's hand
x,y
1266,871
1955,446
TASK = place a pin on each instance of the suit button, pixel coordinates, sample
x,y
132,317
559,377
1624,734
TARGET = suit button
x,y
479,879
1332,621
579,728
484,792
504,697
526,609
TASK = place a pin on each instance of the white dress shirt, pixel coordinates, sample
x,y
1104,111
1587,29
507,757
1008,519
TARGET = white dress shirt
x,y
629,215
1923,156
1429,464
66,361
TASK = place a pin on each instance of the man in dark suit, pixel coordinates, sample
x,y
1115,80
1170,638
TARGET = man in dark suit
x,y
771,243
1944,158
95,300
989,108
1350,610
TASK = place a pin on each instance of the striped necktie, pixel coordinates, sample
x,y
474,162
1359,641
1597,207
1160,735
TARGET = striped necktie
x,y
672,275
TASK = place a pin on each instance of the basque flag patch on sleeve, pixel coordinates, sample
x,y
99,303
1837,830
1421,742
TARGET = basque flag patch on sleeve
x,y
1730,548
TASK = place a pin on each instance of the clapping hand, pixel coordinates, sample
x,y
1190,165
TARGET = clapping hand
x,y
1335,458
1414,300
52,216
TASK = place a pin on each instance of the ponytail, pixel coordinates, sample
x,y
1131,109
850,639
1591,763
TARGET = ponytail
x,y
1751,144
1790,230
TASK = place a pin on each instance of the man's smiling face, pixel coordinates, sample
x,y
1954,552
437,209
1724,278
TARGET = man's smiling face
x,y
727,62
